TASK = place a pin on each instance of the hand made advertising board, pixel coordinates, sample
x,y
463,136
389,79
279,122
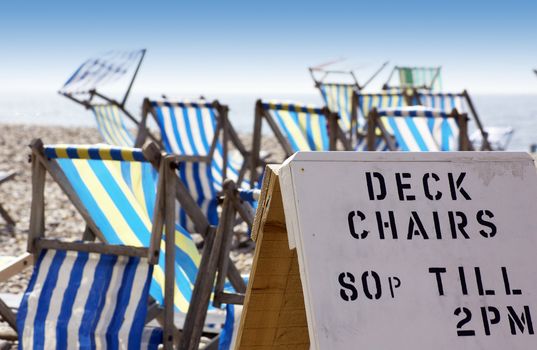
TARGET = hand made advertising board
x,y
415,251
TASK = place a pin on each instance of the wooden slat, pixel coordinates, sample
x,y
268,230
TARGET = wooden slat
x,y
274,315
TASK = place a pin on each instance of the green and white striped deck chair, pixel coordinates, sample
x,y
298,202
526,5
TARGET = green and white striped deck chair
x,y
419,129
115,190
112,126
426,78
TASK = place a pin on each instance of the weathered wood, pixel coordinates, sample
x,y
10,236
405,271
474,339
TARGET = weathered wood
x,y
228,298
371,128
37,211
225,135
256,143
91,247
333,129
169,220
203,286
485,143
8,315
16,265
462,119
88,235
158,217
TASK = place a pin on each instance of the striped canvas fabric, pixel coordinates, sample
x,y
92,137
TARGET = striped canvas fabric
x,y
305,127
111,125
420,77
443,101
85,300
420,129
189,128
338,98
118,189
102,70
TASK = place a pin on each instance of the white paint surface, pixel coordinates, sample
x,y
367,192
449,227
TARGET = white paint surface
x,y
320,189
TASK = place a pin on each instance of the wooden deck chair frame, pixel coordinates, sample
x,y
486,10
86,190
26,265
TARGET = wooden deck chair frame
x,y
261,114
3,212
373,119
169,189
89,102
224,129
325,73
429,87
215,262
466,96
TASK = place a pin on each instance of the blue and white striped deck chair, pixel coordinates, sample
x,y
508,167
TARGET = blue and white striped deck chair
x,y
463,104
112,126
339,98
418,129
116,189
195,130
78,299
366,103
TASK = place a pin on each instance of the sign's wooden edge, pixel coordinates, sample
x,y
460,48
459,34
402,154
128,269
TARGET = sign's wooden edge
x,y
269,178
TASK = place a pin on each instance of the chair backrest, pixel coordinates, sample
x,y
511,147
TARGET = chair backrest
x,y
443,101
304,127
368,101
111,125
428,78
339,98
102,70
418,129
85,300
116,189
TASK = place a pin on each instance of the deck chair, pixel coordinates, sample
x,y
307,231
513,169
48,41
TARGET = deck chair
x,y
366,103
201,132
86,86
4,177
419,129
463,103
296,127
115,190
422,78
338,88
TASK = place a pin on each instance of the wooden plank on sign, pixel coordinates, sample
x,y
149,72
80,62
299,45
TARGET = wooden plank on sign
x,y
274,315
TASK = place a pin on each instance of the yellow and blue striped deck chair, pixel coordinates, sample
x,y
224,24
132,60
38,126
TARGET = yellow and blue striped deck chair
x,y
419,129
112,126
339,98
115,190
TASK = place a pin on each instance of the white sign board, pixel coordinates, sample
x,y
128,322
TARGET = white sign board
x,y
415,250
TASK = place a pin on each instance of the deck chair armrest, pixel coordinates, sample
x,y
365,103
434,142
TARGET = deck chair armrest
x,y
16,265
228,298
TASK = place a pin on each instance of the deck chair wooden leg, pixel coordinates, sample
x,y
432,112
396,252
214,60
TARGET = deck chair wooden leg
x,y
5,215
8,315
212,345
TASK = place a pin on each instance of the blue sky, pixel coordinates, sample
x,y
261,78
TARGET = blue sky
x,y
257,47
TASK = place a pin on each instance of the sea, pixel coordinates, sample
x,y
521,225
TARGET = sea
x,y
50,108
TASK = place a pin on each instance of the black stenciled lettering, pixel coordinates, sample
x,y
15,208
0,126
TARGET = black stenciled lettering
x,y
480,289
403,186
462,277
507,284
365,284
483,221
348,291
520,322
394,283
352,228
386,224
426,188
488,321
467,318
370,188
438,271
437,227
454,225
415,227
455,186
